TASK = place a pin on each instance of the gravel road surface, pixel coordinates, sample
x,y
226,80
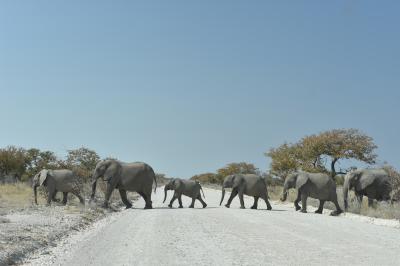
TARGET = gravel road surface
x,y
220,236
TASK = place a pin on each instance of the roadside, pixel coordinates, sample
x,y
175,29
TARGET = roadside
x,y
25,227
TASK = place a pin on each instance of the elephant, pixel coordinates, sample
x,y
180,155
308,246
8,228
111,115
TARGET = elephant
x,y
373,183
188,188
64,181
136,177
245,184
315,185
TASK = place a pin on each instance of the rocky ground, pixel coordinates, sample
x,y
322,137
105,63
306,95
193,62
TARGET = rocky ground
x,y
25,227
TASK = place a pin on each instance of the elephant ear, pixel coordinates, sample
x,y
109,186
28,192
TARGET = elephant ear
x,y
237,180
301,180
43,177
177,183
364,181
113,171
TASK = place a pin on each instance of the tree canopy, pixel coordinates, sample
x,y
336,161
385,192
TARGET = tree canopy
x,y
21,164
229,169
312,153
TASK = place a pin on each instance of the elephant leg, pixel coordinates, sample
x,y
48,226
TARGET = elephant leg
x,y
192,204
265,198
202,201
304,202
255,203
321,207
180,201
124,198
146,197
296,202
65,197
241,200
54,196
149,203
338,209
233,195
50,196
107,196
359,199
370,203
172,201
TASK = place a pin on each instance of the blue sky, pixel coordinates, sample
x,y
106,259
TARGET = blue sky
x,y
191,86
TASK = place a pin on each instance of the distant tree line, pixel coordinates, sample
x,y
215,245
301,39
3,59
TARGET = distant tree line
x,y
19,164
234,168
315,153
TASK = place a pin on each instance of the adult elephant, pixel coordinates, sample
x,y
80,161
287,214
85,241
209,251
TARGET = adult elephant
x,y
315,185
64,181
245,184
189,188
373,183
137,177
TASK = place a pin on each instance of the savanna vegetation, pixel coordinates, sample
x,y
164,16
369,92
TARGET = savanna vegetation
x,y
320,152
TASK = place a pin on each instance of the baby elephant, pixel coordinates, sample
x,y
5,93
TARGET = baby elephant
x,y
188,188
314,185
57,180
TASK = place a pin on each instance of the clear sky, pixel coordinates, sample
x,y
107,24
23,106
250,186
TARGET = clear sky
x,y
191,86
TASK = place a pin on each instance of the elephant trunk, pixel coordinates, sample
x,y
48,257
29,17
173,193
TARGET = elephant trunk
x,y
165,194
285,191
35,192
284,194
94,185
346,187
222,196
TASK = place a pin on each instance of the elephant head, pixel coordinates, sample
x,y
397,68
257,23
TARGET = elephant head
x,y
40,180
294,180
231,181
110,170
173,184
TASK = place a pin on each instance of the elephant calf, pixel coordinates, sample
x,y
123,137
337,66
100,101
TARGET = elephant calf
x,y
64,181
246,184
315,185
188,188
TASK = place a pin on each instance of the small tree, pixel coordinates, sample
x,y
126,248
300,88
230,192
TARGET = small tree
x,y
13,162
312,153
83,161
206,178
37,160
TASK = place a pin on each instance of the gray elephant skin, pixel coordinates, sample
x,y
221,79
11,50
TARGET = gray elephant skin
x,y
64,181
189,188
315,185
135,177
245,184
373,183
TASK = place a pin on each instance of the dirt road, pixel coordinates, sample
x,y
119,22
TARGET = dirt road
x,y
220,236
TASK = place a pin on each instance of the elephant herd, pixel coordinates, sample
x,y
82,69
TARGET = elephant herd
x,y
139,177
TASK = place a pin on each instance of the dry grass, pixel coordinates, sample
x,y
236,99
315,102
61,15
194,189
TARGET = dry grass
x,y
17,195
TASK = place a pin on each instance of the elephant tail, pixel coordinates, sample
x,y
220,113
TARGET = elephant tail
x,y
155,181
202,192
154,177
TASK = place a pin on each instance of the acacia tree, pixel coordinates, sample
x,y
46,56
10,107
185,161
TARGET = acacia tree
x,y
83,161
313,152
